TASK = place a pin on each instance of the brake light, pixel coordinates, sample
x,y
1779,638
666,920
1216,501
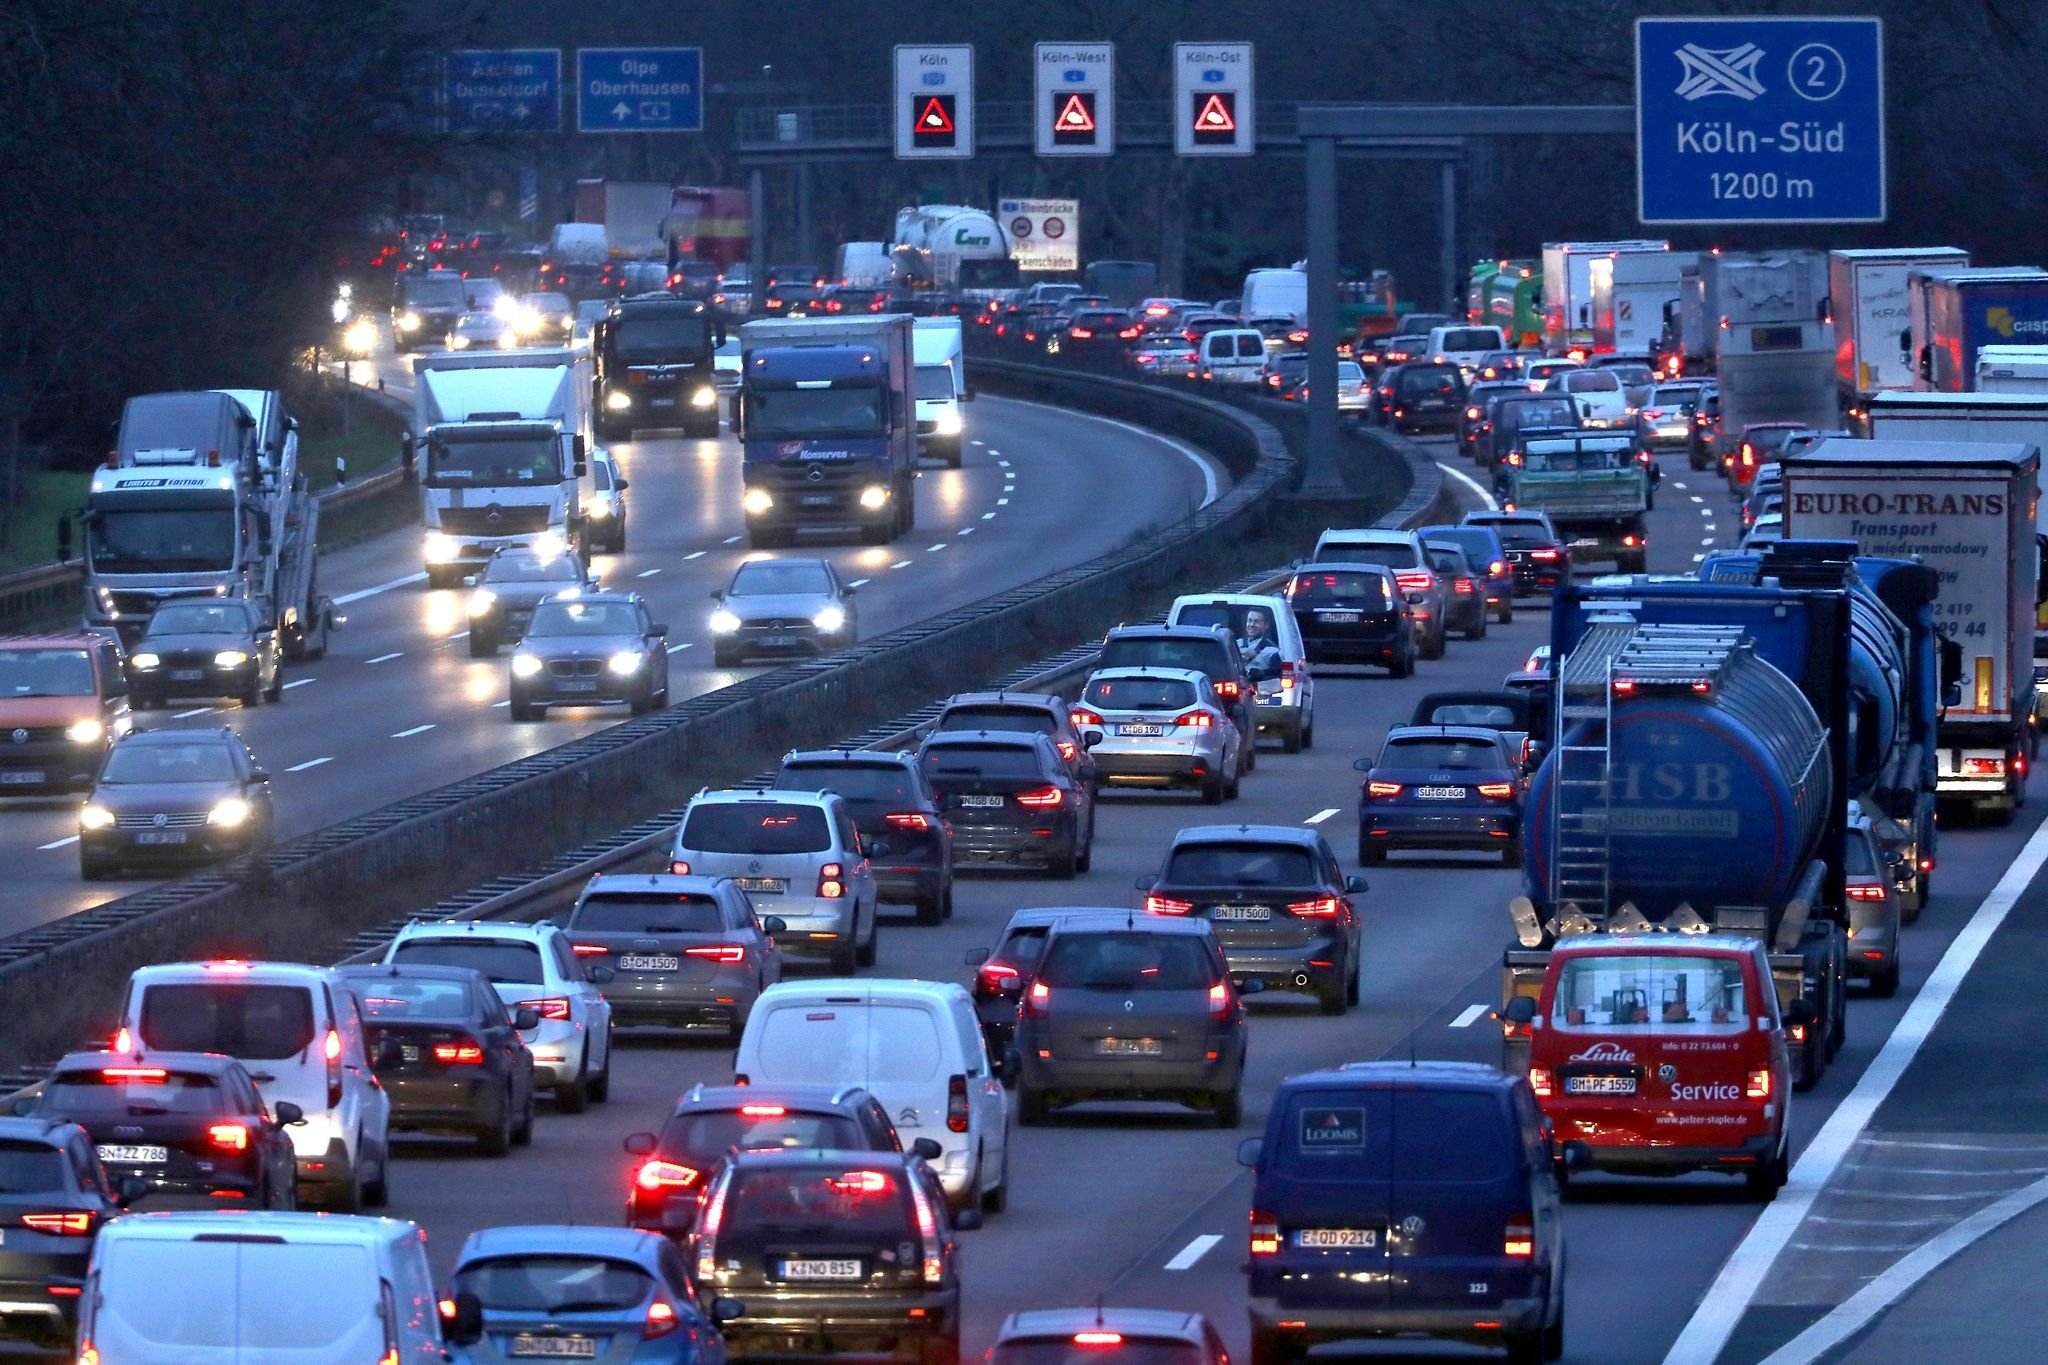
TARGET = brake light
x,y
657,1175
1040,798
1540,1082
554,1007
590,949
1265,1234
1000,977
58,1224
133,1073
1229,690
1322,907
1199,720
1167,905
661,1320
1130,333
1472,414
1520,1239
332,1048
1220,1001
677,867
1545,555
1383,789
1463,585
1500,791
829,884
123,1042
227,967
728,953
927,1229
1038,1000
707,1233
1080,332
1631,540
956,1104
1624,687
1414,581
1864,892
1983,767
231,1137
1081,715
1652,414
1098,1338
1748,455
1759,1087
1068,750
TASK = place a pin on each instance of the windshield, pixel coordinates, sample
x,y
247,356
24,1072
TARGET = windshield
x,y
1029,719
1130,961
1448,561
583,618
776,413
766,827
1496,717
769,577
199,619
1393,556
1129,1350
643,912
1441,754
89,1095
260,1023
494,462
709,1135
45,673
882,783
483,294
1477,545
552,1284
433,293
642,340
1763,439
969,761
1139,694
1675,394
1356,591
1545,412
1471,339
527,569
935,381
831,1200
506,961
168,763
412,997
1652,992
162,540
1241,865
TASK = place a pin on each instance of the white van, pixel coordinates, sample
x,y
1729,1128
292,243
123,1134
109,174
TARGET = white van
x,y
1234,355
1275,291
1285,685
941,384
1464,346
258,1288
296,1028
915,1045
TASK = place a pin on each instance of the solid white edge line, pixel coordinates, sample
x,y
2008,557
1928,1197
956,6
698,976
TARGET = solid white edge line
x,y
1470,1015
1185,1258
358,596
1735,1287
309,763
1201,461
1852,1314
1462,477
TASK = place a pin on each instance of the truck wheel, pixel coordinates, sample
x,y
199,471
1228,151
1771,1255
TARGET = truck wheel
x,y
953,457
880,534
909,504
1766,1180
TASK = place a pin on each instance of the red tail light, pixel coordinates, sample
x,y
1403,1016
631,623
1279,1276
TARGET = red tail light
x,y
1983,767
1864,893
1415,581
1038,1000
1080,332
1471,414
553,1007
134,1073
1520,1238
1631,540
1540,1082
727,953
657,1175
707,1233
1221,1000
1322,907
1131,333
1081,715
332,1048
1199,720
462,1052
1547,556
58,1224
1068,749
1041,798
1167,905
1463,585
909,820
1265,1234
590,949
1759,1087
1000,977
1383,789
1229,689
1499,791
1098,1338
679,868
956,1104
1748,455
232,1137
661,1320
829,884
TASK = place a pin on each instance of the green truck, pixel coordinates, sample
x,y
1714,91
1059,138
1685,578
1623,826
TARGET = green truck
x,y
1592,486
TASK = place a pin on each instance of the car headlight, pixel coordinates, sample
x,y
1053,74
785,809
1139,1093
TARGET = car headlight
x,y
600,507
618,400
440,547
230,658
756,501
949,421
229,813
481,601
95,817
874,495
458,342
508,339
625,663
408,322
86,731
724,622
704,398
829,619
550,545
524,665
146,661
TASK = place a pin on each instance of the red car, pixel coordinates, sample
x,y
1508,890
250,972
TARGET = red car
x,y
1759,445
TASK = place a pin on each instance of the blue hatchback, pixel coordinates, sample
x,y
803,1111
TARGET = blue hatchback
x,y
611,1295
1396,1198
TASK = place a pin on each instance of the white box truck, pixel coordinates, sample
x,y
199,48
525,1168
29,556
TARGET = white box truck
x,y
940,382
1568,291
1867,299
1633,293
2012,369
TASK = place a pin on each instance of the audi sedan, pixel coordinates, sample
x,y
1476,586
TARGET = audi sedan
x,y
598,648
782,608
1440,786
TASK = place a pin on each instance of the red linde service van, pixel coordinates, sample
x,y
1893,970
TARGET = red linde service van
x,y
1658,1054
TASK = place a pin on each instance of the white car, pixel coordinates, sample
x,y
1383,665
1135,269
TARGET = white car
x,y
531,965
1767,529
1160,727
1539,373
1353,393
296,1028
1599,396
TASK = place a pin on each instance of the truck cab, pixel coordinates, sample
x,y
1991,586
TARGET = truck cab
x,y
655,363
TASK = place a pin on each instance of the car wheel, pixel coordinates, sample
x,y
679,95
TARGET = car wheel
x,y
1212,789
1290,739
1233,788
1068,865
1506,615
276,692
1403,667
1511,856
844,958
522,1132
1765,1181
377,1193
1885,984
724,658
1271,1348
1437,645
1351,985
1371,854
1334,1000
496,1140
1524,1348
91,869
482,646
1478,631
864,954
252,695
1308,734
1228,1107
600,1086
940,1349
931,908
1553,1336
573,1097
642,700
523,710
1249,753
350,1200
1032,1109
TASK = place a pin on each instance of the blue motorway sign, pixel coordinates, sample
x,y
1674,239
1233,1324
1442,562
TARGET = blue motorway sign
x,y
640,90
516,89
1760,120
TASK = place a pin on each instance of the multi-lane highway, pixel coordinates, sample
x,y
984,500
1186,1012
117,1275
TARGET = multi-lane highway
x,y
1148,1207
399,707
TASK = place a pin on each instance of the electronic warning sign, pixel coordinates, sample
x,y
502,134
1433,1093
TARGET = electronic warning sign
x,y
1075,100
1212,96
932,123
934,102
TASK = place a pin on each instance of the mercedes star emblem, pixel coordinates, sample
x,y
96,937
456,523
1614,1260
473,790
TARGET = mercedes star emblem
x,y
1130,1005
816,474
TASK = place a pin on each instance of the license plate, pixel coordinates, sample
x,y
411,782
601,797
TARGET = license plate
x,y
662,403
408,1052
1338,618
187,674
776,641
1599,1085
21,779
1128,1047
527,1345
644,962
817,500
1337,1238
1242,912
1152,730
578,685
778,885
161,836
1440,793
821,1270
134,1154
982,802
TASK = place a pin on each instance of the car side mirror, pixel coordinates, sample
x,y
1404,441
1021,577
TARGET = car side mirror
x,y
774,924
1009,1067
727,1310
927,1148
1090,737
849,591
967,1220
718,595
287,1113
1520,1010
1798,1014
463,1325
1146,883
967,395
1356,884
974,957
1361,765
621,486
599,976
22,1106
129,1188
640,1144
1251,1152
526,1019
875,848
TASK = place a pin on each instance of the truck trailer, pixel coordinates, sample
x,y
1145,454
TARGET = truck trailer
x,y
1867,301
1568,291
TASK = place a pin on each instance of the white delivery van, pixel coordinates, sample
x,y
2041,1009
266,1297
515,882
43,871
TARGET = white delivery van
x,y
584,244
941,385
916,1046
1233,355
1275,291
865,263
1465,346
258,1288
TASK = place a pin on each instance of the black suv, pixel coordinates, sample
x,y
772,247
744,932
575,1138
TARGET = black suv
x,y
847,1251
676,1164
1011,800
1353,613
1043,713
1536,552
1277,904
54,1197
1208,650
890,801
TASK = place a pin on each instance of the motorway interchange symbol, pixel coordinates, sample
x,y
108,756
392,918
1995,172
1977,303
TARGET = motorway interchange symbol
x,y
1731,71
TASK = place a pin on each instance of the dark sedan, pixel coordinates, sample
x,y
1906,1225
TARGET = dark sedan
x,y
782,608
54,1198
1353,613
1489,561
220,647
601,647
174,796
447,1051
515,582
1011,800
891,802
1475,419
1440,786
1464,589
684,951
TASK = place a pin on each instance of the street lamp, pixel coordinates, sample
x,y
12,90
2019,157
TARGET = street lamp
x,y
356,344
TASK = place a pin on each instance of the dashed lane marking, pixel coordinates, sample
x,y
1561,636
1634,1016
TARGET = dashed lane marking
x,y
297,682
58,843
647,573
1320,816
386,658
1469,1016
1185,1258
416,730
310,763
694,554
360,594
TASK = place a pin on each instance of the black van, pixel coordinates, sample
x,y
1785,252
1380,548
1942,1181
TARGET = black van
x,y
1402,1198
